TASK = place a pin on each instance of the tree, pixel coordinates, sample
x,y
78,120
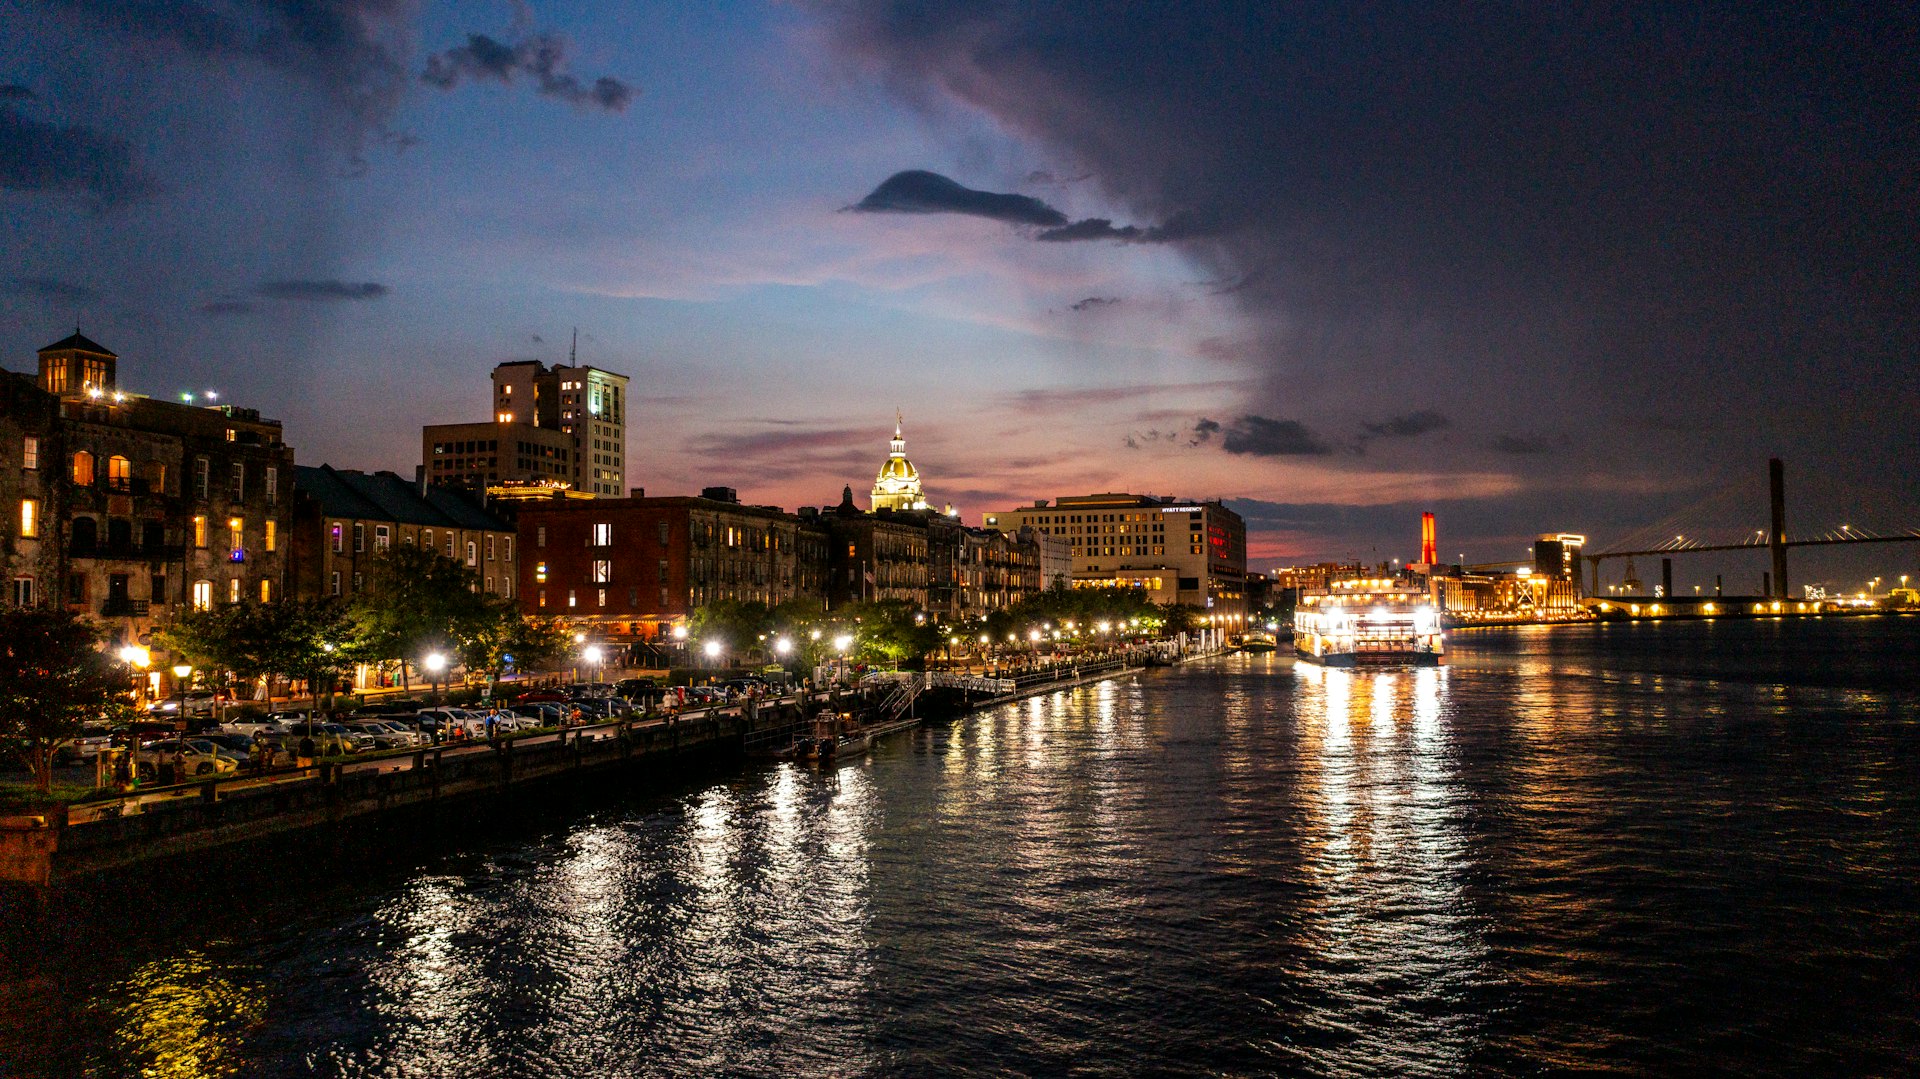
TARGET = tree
x,y
892,630
415,601
736,625
494,635
53,678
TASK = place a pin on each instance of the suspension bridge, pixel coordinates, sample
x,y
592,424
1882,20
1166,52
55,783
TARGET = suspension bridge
x,y
1730,520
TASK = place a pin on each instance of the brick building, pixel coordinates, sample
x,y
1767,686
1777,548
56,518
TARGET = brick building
x,y
343,519
631,568
124,507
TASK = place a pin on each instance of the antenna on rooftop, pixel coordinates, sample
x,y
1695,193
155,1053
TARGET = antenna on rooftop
x,y
573,350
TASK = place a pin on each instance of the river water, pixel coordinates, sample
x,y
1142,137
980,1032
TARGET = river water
x,y
1660,848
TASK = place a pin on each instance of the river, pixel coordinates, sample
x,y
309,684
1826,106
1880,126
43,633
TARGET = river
x,y
1653,848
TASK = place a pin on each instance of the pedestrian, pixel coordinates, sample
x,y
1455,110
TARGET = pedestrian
x,y
492,717
306,749
178,765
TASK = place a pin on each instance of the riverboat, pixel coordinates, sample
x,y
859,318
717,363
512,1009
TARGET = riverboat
x,y
1258,643
1368,621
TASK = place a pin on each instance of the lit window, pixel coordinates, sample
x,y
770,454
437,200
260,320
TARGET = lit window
x,y
30,453
473,553
272,539
602,596
29,518
119,473
202,595
200,532
338,542
236,529
426,539
602,534
540,597
83,469
233,590
540,571
266,591
570,598
382,536
602,571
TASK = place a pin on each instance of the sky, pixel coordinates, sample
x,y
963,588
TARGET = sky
x,y
1534,267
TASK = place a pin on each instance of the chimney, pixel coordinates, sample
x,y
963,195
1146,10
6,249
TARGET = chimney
x,y
1429,544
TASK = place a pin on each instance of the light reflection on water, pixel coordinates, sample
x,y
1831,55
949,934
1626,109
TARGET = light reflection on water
x,y
1555,853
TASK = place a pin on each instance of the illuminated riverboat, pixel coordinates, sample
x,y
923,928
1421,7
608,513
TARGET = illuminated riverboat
x,y
1368,621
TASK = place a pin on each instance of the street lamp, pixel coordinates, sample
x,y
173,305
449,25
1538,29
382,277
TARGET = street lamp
x,y
181,671
137,659
435,663
782,646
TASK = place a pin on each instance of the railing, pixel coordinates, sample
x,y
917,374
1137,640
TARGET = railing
x,y
121,607
901,698
970,683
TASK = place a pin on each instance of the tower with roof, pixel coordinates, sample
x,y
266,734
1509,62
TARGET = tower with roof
x,y
897,487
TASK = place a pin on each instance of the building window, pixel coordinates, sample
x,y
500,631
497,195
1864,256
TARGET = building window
x,y
540,598
336,533
602,534
506,586
333,583
358,580
77,588
489,548
540,571
23,591
271,541
540,536
236,534
30,456
663,571
449,545
473,554
273,486
426,539
83,469
382,537
29,518
119,473
489,583
602,571
602,595
200,532
266,590
506,548
239,491
200,471
203,595
359,536
571,601
233,590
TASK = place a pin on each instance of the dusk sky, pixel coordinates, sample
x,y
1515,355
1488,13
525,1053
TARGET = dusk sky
x,y
1530,267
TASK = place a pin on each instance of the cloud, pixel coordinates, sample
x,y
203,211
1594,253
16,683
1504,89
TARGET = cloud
x,y
1092,302
47,288
1183,226
917,191
1411,425
541,56
1260,436
1204,431
15,92
348,50
41,157
324,291
1521,445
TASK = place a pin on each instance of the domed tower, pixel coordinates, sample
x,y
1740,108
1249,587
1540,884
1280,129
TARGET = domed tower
x,y
897,487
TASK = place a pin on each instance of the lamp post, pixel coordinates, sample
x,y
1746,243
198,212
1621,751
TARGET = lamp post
x,y
593,656
436,665
181,671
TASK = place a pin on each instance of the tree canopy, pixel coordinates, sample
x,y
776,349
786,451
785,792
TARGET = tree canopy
x,y
53,678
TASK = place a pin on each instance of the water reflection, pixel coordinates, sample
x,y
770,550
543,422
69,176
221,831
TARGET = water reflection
x,y
185,1017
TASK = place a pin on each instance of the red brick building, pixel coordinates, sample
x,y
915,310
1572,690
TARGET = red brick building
x,y
632,567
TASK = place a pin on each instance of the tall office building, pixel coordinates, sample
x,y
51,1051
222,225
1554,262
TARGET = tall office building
x,y
585,403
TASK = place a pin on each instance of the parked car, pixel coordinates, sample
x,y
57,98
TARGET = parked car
x,y
200,757
93,738
385,735
636,687
253,725
540,695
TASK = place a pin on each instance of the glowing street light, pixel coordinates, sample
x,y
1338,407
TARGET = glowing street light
x,y
782,646
712,649
592,655
436,663
843,642
680,631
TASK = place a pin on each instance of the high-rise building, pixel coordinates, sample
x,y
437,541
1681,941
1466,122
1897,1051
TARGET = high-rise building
x,y
1557,555
1191,553
585,403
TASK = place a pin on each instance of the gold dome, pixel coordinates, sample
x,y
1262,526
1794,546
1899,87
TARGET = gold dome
x,y
897,486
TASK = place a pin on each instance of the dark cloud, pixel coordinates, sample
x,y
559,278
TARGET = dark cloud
x,y
48,158
543,57
348,50
1204,431
1573,211
1411,425
1183,226
1521,445
13,92
227,307
47,288
1259,436
1092,302
327,291
917,191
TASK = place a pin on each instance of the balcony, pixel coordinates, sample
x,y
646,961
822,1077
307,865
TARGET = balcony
x,y
122,607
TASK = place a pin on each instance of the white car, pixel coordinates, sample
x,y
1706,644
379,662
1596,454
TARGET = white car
x,y
93,738
200,758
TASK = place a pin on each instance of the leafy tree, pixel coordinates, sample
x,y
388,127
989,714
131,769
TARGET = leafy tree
x,y
891,630
53,677
416,601
736,625
494,634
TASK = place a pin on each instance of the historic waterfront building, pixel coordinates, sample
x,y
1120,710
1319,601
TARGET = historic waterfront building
x,y
126,507
344,519
633,568
1189,552
585,403
510,459
897,487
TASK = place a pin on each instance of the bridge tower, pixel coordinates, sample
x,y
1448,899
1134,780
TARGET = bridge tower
x,y
1777,537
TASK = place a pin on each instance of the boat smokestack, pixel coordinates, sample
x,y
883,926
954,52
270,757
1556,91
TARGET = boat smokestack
x,y
1429,544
